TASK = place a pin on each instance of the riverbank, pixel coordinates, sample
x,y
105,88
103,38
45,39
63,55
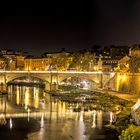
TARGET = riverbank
x,y
97,100
124,121
122,95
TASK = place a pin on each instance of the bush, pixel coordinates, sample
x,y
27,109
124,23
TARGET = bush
x,y
131,133
123,120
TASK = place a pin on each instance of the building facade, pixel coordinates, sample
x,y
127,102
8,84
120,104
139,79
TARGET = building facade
x,y
135,51
20,62
36,63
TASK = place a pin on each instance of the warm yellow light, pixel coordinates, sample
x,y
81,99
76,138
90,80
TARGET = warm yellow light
x,y
99,119
124,77
94,119
17,97
111,117
95,68
26,99
118,81
36,100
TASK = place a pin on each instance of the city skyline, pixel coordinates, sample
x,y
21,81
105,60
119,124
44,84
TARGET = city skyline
x,y
71,25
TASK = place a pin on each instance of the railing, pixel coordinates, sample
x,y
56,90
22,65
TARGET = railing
x,y
61,72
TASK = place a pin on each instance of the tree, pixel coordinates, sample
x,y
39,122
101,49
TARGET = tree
x,y
83,61
7,63
131,133
88,61
61,62
76,61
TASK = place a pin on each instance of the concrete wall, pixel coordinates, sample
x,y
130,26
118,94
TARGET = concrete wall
x,y
129,83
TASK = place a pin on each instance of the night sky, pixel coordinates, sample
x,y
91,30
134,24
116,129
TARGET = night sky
x,y
42,27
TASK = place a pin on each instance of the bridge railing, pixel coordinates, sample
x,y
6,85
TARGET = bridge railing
x,y
60,72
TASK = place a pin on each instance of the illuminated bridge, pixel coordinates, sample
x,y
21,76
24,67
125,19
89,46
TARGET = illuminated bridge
x,y
57,77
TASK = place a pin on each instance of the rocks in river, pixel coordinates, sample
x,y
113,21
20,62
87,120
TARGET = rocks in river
x,y
97,100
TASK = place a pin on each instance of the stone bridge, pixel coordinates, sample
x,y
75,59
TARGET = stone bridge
x,y
56,77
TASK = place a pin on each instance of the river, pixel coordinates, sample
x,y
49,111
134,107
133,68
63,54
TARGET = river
x,y
30,113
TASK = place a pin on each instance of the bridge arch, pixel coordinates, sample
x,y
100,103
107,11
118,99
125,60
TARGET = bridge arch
x,y
81,81
94,78
32,78
86,78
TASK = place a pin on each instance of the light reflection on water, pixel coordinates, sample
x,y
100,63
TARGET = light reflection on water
x,y
56,118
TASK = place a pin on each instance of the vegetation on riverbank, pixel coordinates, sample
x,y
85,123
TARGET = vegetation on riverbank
x,y
126,128
131,133
122,121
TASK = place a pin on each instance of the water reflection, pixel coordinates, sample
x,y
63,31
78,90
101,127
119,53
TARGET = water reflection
x,y
10,123
56,119
112,117
99,119
28,114
25,96
17,97
42,121
94,119
81,128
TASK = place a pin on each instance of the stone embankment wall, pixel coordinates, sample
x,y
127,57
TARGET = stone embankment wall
x,y
129,83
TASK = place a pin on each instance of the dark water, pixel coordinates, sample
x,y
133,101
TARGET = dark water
x,y
29,113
